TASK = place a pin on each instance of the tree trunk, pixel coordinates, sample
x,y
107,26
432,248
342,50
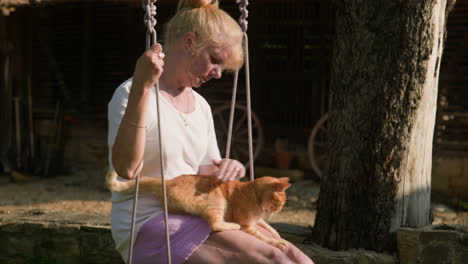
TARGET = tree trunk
x,y
385,70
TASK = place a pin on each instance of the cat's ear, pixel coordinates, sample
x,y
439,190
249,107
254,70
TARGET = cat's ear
x,y
284,179
281,186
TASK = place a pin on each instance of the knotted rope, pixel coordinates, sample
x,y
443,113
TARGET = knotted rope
x,y
244,25
151,38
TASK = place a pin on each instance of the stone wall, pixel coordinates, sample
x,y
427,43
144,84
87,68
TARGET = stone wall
x,y
41,237
296,234
433,245
61,244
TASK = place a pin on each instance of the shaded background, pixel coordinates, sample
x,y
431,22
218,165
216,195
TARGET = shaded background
x,y
67,57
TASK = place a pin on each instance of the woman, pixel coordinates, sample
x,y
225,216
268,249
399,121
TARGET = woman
x,y
200,42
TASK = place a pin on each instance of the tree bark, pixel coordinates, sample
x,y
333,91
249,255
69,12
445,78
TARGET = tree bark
x,y
385,69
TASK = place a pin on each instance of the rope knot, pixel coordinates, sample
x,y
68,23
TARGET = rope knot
x,y
244,13
150,21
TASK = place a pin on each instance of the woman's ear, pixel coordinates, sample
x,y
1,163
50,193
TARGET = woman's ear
x,y
189,40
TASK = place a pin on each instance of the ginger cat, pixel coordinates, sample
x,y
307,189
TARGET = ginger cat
x,y
225,206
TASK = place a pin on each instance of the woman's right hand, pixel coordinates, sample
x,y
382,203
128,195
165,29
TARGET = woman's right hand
x,y
149,67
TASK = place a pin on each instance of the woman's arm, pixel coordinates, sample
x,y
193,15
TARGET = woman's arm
x,y
129,145
224,169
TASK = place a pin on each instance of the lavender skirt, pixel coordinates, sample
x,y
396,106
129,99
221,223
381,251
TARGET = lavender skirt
x,y
187,232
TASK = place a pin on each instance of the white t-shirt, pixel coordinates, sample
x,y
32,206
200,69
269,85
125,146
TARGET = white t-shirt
x,y
185,148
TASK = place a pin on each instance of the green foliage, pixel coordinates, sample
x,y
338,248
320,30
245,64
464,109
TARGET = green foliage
x,y
39,260
464,205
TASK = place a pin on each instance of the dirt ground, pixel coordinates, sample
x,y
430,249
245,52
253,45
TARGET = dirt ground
x,y
84,192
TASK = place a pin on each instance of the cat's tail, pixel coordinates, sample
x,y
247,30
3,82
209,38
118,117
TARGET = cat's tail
x,y
119,186
147,185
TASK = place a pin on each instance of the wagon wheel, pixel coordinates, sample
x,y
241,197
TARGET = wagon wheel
x,y
317,146
240,140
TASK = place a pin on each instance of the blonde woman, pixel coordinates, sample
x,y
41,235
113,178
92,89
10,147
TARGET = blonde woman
x,y
201,41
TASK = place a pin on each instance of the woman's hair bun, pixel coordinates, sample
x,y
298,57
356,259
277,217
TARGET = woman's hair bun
x,y
189,4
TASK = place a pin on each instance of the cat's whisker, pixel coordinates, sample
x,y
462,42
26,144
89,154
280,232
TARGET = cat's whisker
x,y
270,215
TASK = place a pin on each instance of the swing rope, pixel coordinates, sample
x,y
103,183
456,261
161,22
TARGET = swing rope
x,y
151,38
243,23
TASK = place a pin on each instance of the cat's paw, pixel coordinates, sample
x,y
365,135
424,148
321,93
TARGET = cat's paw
x,y
281,244
218,227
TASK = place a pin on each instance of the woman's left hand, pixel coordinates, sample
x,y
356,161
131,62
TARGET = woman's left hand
x,y
229,169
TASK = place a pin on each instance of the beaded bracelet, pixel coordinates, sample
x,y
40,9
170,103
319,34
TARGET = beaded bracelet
x,y
133,124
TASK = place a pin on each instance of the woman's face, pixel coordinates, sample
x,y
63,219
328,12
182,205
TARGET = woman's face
x,y
207,64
